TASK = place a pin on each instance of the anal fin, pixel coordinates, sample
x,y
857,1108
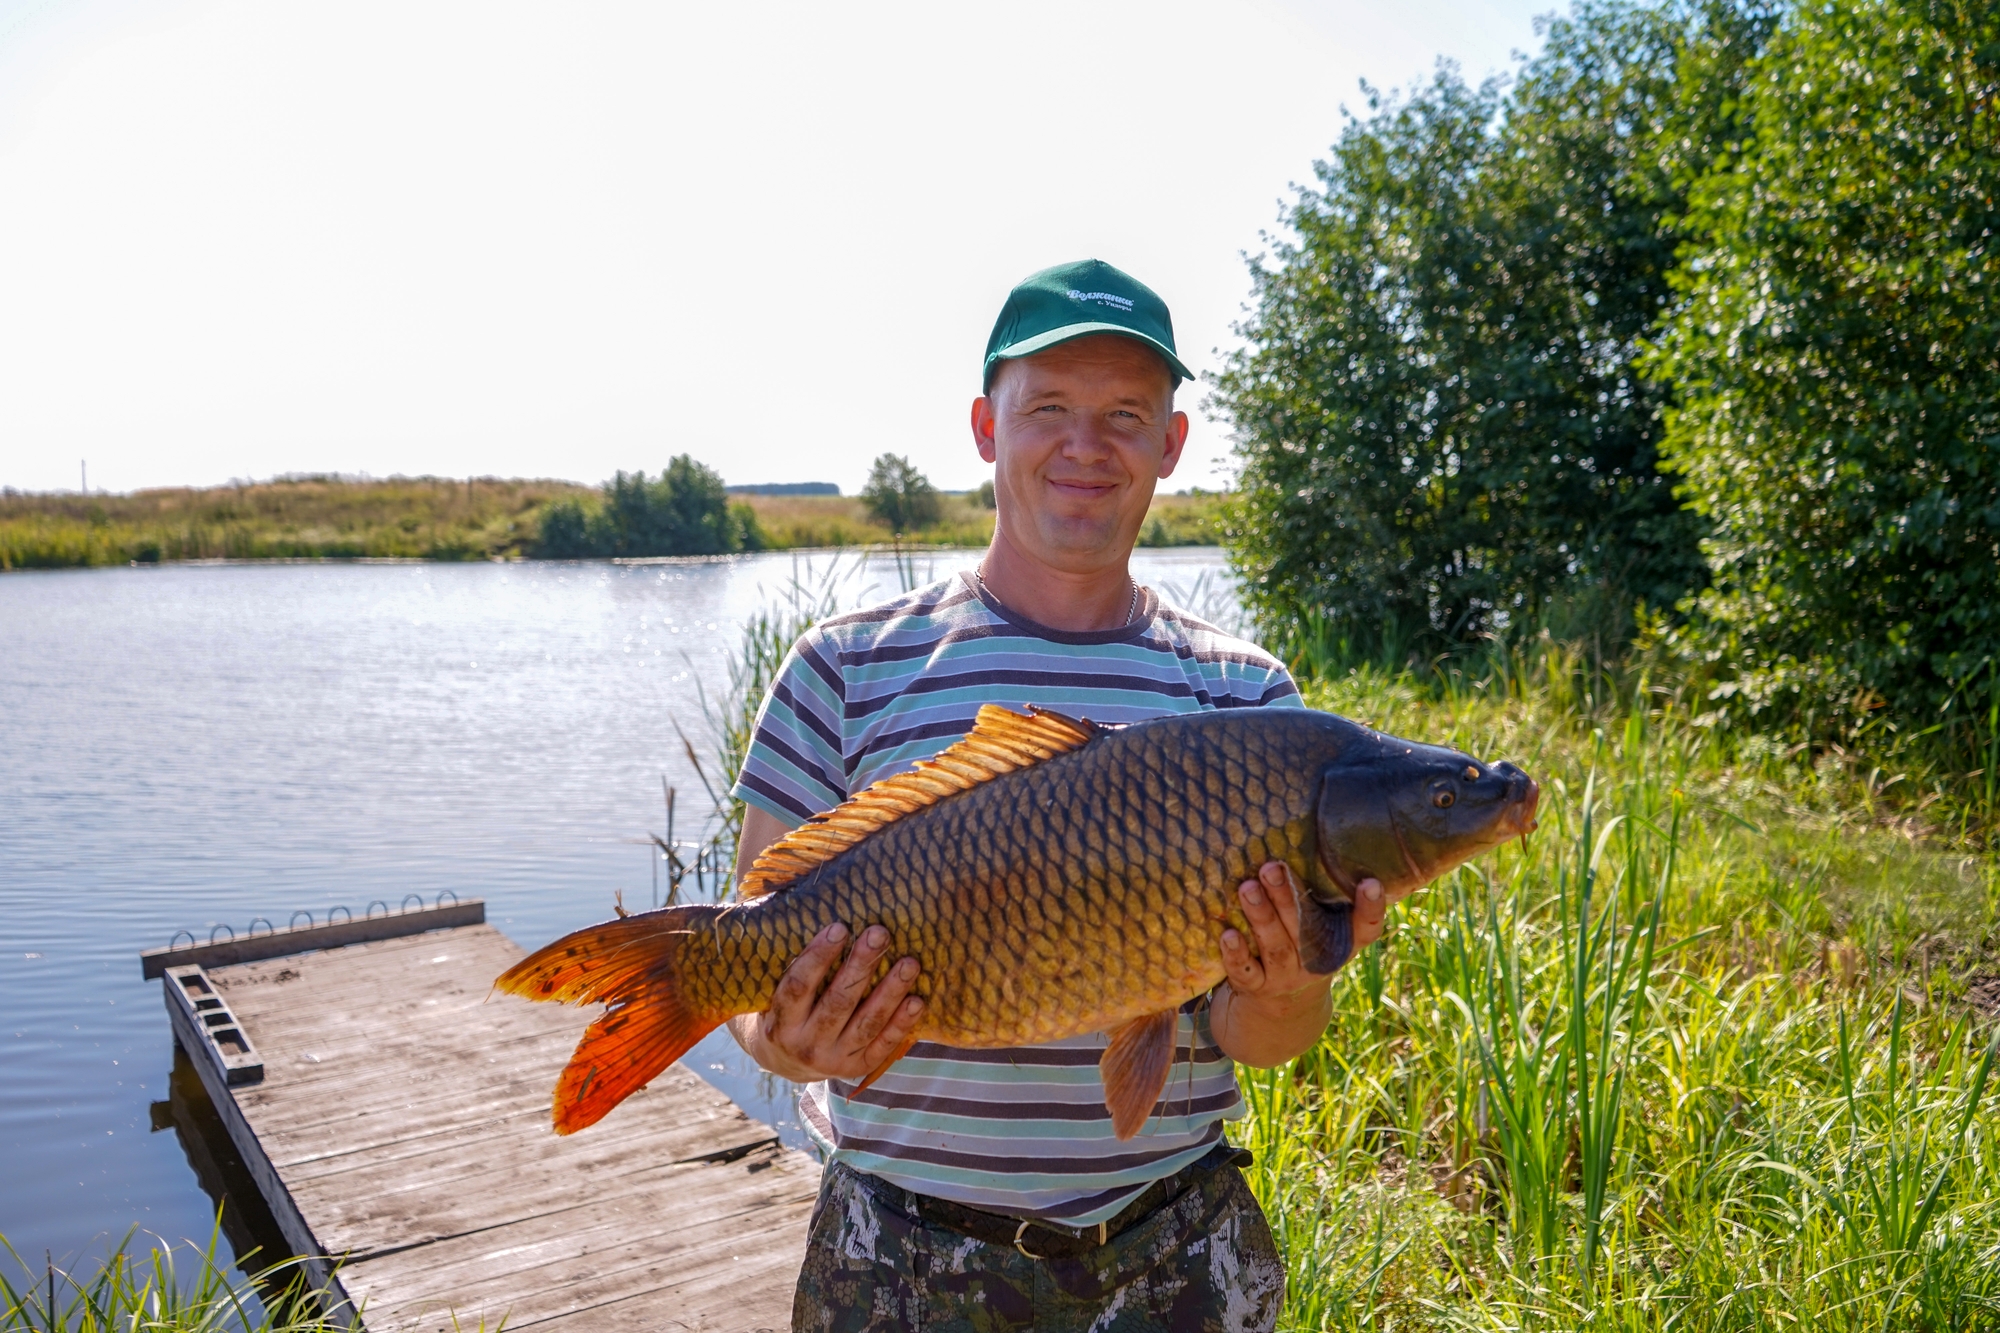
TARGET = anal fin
x,y
883,1068
1135,1067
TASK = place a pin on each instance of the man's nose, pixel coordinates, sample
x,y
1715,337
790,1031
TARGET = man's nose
x,y
1087,441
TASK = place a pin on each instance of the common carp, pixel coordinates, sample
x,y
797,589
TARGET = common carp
x,y
1053,878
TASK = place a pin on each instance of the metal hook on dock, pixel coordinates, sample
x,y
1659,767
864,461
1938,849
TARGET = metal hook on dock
x,y
345,914
223,926
251,929
372,906
441,894
174,940
302,912
409,898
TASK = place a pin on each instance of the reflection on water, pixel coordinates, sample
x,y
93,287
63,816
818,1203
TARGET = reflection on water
x,y
182,748
247,1224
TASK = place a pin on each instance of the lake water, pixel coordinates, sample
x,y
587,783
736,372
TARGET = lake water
x,y
185,747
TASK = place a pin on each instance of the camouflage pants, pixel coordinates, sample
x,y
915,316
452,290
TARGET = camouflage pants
x,y
1202,1262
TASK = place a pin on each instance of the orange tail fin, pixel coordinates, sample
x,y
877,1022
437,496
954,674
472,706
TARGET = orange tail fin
x,y
632,965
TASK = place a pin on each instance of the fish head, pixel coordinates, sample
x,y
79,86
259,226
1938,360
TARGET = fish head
x,y
1405,813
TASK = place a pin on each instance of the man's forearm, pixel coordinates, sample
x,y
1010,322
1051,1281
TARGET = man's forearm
x,y
1261,1032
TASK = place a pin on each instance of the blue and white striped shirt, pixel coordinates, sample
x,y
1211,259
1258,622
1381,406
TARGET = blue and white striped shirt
x,y
1021,1130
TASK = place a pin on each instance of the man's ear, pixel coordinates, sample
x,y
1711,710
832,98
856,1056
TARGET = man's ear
x,y
1177,433
984,414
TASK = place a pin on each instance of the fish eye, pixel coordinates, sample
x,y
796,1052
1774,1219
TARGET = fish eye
x,y
1472,773
1444,799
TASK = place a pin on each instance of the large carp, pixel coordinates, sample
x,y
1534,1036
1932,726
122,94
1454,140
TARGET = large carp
x,y
1053,878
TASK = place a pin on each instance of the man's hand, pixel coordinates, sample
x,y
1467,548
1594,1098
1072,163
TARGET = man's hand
x,y
845,1032
1271,1008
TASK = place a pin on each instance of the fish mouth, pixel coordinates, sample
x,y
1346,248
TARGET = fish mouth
x,y
1520,819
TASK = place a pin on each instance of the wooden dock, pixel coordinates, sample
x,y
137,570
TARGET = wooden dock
x,y
395,1114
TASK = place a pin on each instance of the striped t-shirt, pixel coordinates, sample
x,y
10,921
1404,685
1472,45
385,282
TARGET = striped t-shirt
x,y
1021,1130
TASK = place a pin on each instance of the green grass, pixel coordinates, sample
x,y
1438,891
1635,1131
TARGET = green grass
x,y
1710,1051
432,518
168,1289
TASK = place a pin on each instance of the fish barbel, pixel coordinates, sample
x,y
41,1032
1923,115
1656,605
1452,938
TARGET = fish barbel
x,y
1052,877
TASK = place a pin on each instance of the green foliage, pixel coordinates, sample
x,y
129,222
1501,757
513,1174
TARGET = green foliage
x,y
985,494
1441,429
157,1294
899,497
1837,356
686,511
1706,1053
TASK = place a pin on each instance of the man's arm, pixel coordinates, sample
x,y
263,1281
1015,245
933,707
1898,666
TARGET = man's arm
x,y
1271,1008
845,1032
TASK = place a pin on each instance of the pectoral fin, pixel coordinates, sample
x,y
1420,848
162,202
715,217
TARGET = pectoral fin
x,y
1135,1068
1326,934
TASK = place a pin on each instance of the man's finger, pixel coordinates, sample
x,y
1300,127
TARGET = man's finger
x,y
902,1020
836,1006
1370,909
1276,877
1246,974
872,1018
792,1003
1275,947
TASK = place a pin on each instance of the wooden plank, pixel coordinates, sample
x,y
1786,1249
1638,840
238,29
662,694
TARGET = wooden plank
x,y
318,1268
325,935
405,1109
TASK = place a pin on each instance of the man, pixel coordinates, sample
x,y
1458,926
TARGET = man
x,y
985,1189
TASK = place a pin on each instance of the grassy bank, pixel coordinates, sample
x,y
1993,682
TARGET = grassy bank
x,y
1709,1052
432,518
435,518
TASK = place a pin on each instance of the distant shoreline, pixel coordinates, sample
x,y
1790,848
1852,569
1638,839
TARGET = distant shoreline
x,y
444,520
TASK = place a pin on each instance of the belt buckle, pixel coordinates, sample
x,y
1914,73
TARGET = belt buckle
x,y
1021,1236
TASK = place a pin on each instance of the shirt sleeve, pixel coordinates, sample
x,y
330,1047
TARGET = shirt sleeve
x,y
1280,690
795,767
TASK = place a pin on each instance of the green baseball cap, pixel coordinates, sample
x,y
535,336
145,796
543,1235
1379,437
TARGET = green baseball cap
x,y
1075,301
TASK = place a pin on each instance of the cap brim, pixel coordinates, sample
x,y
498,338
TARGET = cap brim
x,y
1043,341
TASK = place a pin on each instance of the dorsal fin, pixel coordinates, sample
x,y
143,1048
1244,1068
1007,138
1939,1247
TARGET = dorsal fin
x,y
1000,742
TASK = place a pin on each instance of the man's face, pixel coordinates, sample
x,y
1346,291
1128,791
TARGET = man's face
x,y
1078,435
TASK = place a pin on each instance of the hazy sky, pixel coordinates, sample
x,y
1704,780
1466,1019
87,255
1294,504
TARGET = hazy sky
x,y
244,237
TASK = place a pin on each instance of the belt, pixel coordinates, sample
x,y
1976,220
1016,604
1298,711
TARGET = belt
x,y
1053,1240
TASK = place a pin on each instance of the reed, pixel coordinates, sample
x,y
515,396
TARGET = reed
x,y
170,1289
1711,1051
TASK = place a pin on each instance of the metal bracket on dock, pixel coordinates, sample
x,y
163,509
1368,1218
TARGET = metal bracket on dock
x,y
208,1029
330,934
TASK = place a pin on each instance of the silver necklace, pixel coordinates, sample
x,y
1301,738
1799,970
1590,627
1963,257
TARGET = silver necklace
x,y
1131,607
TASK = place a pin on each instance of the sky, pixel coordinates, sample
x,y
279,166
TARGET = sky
x,y
240,238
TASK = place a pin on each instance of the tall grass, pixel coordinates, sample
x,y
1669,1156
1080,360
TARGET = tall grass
x,y
173,1289
1707,1052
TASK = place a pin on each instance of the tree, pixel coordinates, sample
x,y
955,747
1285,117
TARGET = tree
x,y
1441,429
898,496
1836,352
686,511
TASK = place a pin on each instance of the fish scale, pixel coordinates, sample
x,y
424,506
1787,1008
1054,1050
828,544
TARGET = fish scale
x,y
1051,878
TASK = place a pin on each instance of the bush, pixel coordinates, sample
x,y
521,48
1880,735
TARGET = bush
x,y
899,497
1440,426
686,511
1837,352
